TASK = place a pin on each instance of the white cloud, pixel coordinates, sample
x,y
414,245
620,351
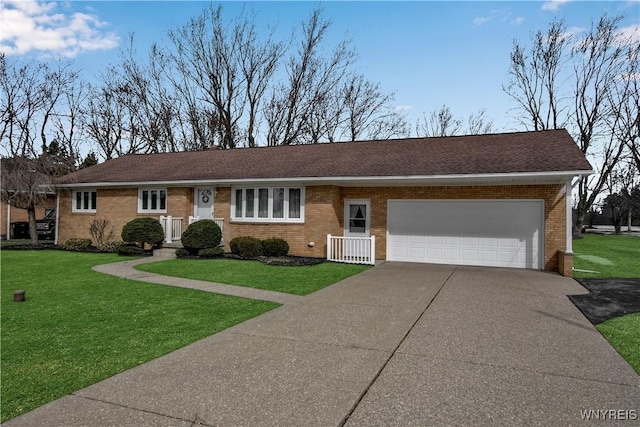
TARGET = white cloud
x,y
500,15
629,35
29,25
481,20
553,4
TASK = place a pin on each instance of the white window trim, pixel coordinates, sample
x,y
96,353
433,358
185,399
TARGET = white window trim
x,y
269,218
166,204
73,200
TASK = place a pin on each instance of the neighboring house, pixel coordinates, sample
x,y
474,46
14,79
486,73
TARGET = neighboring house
x,y
491,200
10,215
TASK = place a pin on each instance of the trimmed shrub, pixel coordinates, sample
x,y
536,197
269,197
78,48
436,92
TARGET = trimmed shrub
x,y
143,231
203,234
111,247
77,245
130,250
275,247
182,253
246,247
210,252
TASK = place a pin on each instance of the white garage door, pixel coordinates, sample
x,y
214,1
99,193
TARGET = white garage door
x,y
499,233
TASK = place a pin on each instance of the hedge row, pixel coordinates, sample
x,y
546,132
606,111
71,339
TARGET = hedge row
x,y
248,247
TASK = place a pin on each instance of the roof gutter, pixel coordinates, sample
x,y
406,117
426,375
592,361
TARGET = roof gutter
x,y
559,176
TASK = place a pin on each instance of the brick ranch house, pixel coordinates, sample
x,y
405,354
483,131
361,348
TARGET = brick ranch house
x,y
493,200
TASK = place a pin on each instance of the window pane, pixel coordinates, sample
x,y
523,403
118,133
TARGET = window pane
x,y
163,199
263,203
85,200
154,199
145,200
93,200
250,194
78,199
238,203
294,203
278,202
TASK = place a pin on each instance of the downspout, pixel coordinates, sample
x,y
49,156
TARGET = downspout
x,y
8,236
55,241
568,197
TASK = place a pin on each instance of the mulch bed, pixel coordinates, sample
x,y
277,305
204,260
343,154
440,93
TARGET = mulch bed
x,y
290,260
608,298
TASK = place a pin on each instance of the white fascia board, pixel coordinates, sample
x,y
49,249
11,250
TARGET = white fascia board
x,y
518,177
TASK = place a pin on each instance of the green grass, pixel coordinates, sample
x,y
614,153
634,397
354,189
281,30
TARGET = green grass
x,y
613,257
78,327
624,335
610,256
301,280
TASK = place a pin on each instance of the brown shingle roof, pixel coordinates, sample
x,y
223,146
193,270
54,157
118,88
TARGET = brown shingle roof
x,y
522,152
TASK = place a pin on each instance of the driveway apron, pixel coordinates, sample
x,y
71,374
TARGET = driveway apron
x,y
401,344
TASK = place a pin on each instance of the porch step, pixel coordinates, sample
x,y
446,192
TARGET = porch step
x,y
173,245
165,252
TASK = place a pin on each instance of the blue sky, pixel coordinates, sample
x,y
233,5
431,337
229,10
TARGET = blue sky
x,y
429,53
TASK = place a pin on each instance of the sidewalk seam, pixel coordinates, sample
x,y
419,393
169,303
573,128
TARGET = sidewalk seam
x,y
197,421
395,350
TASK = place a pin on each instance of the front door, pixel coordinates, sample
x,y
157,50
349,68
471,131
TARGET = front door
x,y
357,223
204,203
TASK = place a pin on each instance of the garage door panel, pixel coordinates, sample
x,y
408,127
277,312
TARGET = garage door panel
x,y
486,232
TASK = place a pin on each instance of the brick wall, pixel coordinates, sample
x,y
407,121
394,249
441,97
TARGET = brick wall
x,y
553,196
119,206
322,216
324,213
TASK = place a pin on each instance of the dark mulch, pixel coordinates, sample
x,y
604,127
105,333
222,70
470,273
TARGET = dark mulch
x,y
290,260
608,298
27,246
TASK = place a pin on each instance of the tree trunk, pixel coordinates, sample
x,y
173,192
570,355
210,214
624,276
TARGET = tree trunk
x,y
31,211
577,227
629,221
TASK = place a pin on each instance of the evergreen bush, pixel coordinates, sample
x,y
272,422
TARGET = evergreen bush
x,y
210,252
203,234
246,247
143,231
275,247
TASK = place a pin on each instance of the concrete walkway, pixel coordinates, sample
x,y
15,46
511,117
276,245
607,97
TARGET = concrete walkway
x,y
401,344
126,270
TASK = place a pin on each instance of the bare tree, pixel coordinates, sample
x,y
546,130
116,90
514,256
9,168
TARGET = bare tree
x,y
311,78
104,122
439,123
32,101
442,122
594,65
25,186
369,111
534,78
478,123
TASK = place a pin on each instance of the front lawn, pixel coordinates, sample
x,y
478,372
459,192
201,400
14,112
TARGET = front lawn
x,y
624,335
613,257
610,256
78,327
301,280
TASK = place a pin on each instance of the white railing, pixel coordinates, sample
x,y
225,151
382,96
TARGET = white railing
x,y
352,250
172,227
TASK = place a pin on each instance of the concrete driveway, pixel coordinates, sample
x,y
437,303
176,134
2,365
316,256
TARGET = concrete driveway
x,y
401,344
